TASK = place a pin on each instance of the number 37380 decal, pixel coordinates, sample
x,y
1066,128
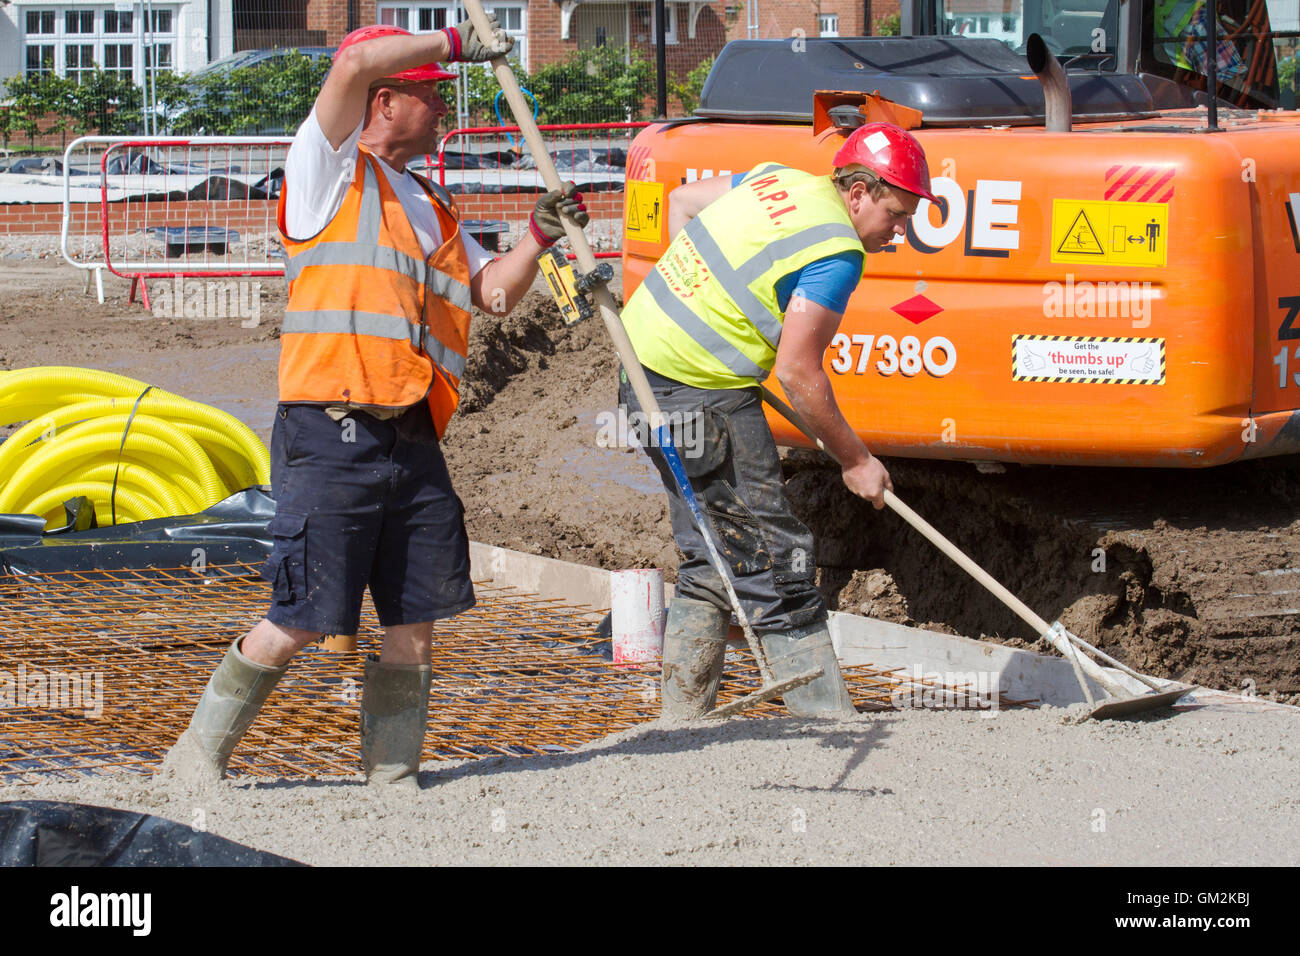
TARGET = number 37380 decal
x,y
907,356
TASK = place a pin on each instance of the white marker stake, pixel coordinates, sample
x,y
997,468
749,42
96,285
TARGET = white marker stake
x,y
637,616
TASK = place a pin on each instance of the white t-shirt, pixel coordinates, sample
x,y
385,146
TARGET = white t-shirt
x,y
317,177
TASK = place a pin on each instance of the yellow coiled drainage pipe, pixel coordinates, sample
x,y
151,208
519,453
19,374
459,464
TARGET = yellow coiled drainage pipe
x,y
179,457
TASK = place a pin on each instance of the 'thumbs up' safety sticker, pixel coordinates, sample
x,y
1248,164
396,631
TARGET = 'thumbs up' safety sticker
x,y
1109,360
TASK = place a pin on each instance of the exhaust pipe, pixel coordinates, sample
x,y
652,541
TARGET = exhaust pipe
x,y
1056,88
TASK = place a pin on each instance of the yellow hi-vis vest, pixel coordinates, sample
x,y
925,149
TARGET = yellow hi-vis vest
x,y
707,314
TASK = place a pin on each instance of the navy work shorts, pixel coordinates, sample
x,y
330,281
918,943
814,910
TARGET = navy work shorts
x,y
362,502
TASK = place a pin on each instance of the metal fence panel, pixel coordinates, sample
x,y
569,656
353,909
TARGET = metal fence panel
x,y
150,208
494,179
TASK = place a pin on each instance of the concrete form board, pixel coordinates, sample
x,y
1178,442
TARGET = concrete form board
x,y
1022,674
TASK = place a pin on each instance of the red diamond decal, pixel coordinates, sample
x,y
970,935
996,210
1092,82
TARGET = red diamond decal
x,y
917,309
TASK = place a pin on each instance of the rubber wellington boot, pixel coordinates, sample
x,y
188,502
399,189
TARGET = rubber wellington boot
x,y
802,649
394,717
695,642
235,693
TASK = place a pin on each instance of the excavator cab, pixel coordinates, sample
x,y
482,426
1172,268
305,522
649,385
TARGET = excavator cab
x,y
1118,291
1163,40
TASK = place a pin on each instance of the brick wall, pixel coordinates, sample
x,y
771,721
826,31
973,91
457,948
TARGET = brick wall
x,y
18,141
332,17
684,55
544,43
517,207
780,18
252,216
850,14
245,216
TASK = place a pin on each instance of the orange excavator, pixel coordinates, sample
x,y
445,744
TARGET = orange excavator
x,y
1111,273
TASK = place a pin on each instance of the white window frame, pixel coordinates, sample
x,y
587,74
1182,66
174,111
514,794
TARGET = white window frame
x,y
59,40
39,13
82,68
131,27
391,11
448,15
670,24
828,24
125,71
169,45
53,51
81,12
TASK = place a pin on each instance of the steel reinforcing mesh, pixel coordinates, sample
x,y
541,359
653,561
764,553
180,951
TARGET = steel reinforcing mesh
x,y
100,671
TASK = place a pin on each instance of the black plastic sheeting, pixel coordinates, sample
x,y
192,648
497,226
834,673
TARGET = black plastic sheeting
x,y
233,530
50,833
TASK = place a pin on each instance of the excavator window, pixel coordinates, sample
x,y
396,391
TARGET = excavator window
x,y
1071,28
1258,48
1256,55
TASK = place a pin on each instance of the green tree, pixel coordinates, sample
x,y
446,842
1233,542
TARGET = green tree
x,y
890,26
272,97
174,96
482,88
105,103
27,104
56,97
1286,82
688,90
266,98
593,86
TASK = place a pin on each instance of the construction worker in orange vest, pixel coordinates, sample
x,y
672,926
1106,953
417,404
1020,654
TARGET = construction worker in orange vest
x,y
373,347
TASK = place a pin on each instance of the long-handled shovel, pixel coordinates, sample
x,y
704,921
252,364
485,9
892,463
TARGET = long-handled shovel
x,y
1066,643
636,375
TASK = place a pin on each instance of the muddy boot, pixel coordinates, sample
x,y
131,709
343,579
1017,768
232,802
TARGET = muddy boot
x,y
230,702
695,641
394,717
802,649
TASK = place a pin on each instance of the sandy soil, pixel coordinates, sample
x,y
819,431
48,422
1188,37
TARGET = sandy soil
x,y
1196,585
913,788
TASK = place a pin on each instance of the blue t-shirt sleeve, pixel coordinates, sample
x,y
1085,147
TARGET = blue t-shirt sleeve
x,y
829,282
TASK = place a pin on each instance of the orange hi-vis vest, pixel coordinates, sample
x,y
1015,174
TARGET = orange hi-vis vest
x,y
370,320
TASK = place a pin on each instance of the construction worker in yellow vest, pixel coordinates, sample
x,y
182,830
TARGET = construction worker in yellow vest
x,y
756,282
373,347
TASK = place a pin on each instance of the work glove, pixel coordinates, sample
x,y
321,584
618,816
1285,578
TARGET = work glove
x,y
545,223
466,47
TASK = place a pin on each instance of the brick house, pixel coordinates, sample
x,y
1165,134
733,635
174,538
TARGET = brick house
x,y
68,37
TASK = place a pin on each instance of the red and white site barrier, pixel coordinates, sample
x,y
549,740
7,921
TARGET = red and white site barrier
x,y
495,181
204,206
174,206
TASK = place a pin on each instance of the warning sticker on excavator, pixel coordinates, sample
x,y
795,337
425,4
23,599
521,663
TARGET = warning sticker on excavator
x,y
1114,233
644,211
1103,360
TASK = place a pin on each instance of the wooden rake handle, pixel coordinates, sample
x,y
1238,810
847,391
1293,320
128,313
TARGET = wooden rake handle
x,y
523,115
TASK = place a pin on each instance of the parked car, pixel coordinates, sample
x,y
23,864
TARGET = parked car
x,y
257,57
209,101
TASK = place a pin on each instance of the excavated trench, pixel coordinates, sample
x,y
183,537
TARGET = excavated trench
x,y
1189,575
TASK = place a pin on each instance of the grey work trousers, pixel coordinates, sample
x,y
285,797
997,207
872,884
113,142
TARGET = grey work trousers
x,y
731,459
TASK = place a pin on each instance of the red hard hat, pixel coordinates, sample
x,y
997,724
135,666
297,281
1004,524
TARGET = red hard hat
x,y
890,152
418,74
